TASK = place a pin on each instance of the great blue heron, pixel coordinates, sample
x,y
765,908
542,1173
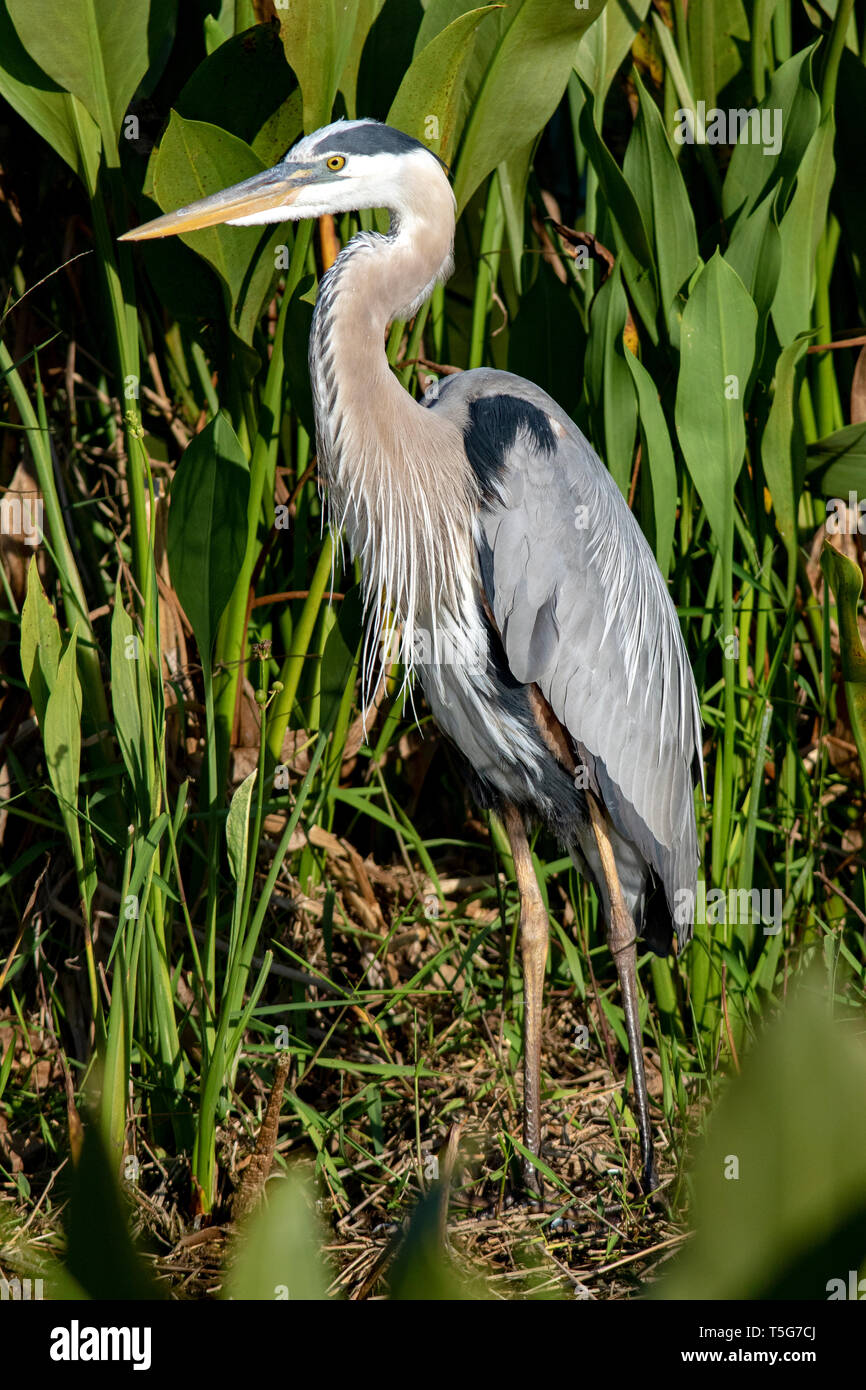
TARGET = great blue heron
x,y
484,522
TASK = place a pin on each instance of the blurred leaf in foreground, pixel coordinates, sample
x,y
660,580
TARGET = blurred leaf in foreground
x,y
780,1182
280,1255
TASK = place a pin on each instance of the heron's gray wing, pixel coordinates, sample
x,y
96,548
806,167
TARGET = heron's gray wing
x,y
584,613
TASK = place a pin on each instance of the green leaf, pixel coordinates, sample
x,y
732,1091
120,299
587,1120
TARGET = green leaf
x,y
279,1249
422,1270
319,40
754,169
841,459
755,252
761,1231
214,35
280,131
241,85
606,43
62,738
41,643
131,705
523,86
846,581
609,386
205,543
59,118
801,229
716,352
100,1251
513,175
238,827
196,159
434,84
783,449
629,228
715,56
653,175
438,14
95,49
849,189
658,453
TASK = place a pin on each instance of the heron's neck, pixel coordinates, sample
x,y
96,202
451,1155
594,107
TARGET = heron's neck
x,y
398,481
374,281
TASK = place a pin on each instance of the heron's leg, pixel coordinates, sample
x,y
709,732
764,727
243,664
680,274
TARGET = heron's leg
x,y
622,942
533,953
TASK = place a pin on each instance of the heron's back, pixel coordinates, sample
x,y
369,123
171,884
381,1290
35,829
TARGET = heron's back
x,y
572,639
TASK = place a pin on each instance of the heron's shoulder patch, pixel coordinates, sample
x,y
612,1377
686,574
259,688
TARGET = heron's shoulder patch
x,y
491,429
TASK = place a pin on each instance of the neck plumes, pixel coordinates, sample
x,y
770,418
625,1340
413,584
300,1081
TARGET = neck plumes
x,y
399,484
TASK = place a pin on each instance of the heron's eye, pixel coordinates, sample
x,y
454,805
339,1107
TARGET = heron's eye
x,y
336,162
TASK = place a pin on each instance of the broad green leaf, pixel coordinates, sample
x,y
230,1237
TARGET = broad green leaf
x,y
632,242
755,252
95,49
279,1249
196,159
242,85
754,168
841,459
659,455
717,347
59,118
247,88
319,38
609,385
41,643
205,542
280,132
238,827
523,86
653,175
783,448
62,730
606,43
801,229
761,1231
437,16
715,57
846,581
131,705
427,103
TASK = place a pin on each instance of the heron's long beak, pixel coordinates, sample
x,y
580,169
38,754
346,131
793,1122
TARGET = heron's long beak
x,y
275,188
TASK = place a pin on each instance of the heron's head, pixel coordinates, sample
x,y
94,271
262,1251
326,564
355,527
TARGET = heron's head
x,y
341,168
